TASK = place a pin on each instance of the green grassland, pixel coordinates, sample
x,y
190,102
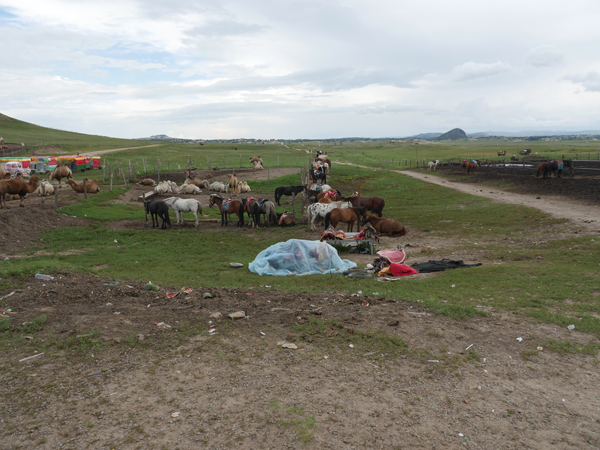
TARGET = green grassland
x,y
553,283
380,153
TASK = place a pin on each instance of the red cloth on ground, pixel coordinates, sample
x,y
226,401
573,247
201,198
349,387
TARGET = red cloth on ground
x,y
402,270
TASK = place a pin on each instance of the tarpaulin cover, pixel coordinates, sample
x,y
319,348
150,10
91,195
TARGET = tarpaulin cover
x,y
299,257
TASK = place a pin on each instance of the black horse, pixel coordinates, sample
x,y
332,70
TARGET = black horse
x,y
286,190
553,166
158,209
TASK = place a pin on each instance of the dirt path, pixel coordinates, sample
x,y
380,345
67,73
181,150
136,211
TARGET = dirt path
x,y
112,150
564,208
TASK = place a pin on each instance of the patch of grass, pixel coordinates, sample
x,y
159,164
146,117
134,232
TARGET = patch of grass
x,y
377,342
35,325
564,347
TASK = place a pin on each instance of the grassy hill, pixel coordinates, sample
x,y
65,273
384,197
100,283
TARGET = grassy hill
x,y
34,136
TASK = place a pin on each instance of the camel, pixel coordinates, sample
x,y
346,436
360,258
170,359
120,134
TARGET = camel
x,y
19,186
1,140
45,188
146,182
195,181
11,197
234,185
256,159
61,171
258,165
91,186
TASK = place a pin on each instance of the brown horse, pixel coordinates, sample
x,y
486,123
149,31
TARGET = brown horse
x,y
540,170
387,226
372,204
468,166
346,215
329,196
17,186
59,172
232,207
286,219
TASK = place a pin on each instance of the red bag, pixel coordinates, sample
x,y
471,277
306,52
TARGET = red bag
x,y
402,270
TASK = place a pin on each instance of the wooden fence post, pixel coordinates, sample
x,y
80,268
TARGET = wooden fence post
x,y
111,178
84,189
56,199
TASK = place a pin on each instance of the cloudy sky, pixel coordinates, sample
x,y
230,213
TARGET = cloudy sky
x,y
300,69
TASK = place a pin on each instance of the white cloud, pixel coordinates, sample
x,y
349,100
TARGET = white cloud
x,y
590,81
545,56
469,71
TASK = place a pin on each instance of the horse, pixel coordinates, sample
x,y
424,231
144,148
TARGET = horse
x,y
17,186
61,171
432,165
286,190
267,208
286,219
228,206
158,209
347,215
386,226
372,204
315,189
540,169
252,207
553,166
469,166
330,196
321,209
181,205
318,175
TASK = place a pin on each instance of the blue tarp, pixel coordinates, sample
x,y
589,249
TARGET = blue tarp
x,y
299,257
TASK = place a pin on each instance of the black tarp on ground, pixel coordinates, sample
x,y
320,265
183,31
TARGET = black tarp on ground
x,y
439,266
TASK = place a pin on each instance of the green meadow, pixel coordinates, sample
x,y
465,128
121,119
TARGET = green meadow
x,y
556,282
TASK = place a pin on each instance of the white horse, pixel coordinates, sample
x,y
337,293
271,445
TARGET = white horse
x,y
181,205
432,165
321,209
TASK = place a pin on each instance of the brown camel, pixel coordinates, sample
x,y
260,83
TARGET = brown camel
x,y
91,186
146,182
17,186
234,186
59,172
195,181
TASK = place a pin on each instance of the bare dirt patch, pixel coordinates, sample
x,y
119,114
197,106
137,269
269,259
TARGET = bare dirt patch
x,y
346,386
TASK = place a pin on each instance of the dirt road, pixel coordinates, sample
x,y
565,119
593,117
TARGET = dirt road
x,y
112,150
585,215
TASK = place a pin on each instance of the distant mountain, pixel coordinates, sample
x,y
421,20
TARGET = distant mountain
x,y
452,135
426,136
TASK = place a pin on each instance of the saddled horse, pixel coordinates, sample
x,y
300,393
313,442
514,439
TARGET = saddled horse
x,y
468,166
158,209
286,190
432,165
372,204
286,219
349,216
314,190
228,206
318,175
181,205
390,227
330,196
